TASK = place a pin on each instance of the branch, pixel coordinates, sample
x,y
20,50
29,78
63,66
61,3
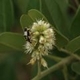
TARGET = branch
x,y
64,61
70,53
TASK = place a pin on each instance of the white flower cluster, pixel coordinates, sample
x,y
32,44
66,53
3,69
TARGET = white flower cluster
x,y
42,40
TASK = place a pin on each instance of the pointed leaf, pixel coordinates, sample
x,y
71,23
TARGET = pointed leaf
x,y
74,44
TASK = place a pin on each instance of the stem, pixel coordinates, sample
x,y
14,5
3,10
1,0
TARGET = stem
x,y
57,59
55,67
39,72
62,62
70,53
65,72
39,68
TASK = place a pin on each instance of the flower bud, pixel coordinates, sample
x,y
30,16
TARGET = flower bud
x,y
44,63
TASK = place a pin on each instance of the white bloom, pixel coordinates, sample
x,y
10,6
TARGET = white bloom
x,y
42,39
29,47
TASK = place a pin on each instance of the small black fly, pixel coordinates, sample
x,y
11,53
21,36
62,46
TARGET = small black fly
x,y
27,34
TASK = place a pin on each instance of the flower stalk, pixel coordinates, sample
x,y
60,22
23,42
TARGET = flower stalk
x,y
55,67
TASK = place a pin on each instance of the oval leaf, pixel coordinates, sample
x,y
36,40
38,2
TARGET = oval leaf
x,y
36,15
25,21
74,44
76,67
9,41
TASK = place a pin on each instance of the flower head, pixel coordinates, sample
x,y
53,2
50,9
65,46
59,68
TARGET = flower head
x,y
42,39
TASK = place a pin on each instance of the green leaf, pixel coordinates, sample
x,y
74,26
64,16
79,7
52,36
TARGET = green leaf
x,y
36,15
33,4
11,41
75,27
76,67
74,44
22,4
61,40
6,15
33,15
25,21
57,10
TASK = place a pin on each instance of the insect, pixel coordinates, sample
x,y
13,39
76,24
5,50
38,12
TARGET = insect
x,y
27,34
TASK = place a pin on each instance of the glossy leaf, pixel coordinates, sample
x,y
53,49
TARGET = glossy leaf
x,y
57,10
76,67
6,15
75,27
74,44
11,41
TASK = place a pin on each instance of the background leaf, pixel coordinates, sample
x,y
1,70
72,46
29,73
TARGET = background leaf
x,y
76,67
57,10
61,40
74,44
75,27
11,40
6,15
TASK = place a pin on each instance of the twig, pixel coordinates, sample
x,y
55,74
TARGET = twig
x,y
55,67
70,53
55,58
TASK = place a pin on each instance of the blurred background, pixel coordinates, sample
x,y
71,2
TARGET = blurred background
x,y
12,60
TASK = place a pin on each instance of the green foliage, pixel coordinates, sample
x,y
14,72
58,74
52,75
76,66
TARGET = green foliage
x,y
75,29
74,44
6,15
64,19
11,40
76,67
58,14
